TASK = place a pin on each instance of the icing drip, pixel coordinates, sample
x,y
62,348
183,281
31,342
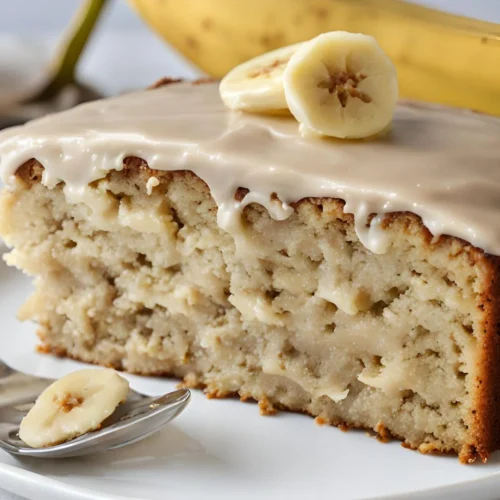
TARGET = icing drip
x,y
440,163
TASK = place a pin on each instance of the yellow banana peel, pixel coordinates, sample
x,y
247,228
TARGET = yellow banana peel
x,y
439,57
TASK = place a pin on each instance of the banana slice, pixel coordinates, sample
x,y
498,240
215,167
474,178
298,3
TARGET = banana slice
x,y
72,406
257,85
342,85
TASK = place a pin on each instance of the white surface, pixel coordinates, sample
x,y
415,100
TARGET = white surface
x,y
216,446
225,450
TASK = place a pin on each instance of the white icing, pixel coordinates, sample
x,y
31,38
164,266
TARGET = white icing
x,y
440,163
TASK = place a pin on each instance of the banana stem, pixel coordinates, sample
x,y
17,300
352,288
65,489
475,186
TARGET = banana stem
x,y
64,65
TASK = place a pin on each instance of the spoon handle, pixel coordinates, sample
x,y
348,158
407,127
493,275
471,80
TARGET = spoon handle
x,y
62,71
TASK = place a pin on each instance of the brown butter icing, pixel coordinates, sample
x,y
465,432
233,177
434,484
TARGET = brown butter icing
x,y
441,163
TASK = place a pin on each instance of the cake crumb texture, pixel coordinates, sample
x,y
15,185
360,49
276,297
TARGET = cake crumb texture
x,y
294,314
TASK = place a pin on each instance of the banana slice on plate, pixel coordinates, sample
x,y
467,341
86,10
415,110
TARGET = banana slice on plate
x,y
342,85
257,85
72,406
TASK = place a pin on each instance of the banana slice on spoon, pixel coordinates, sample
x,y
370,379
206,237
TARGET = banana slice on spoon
x,y
72,406
342,85
257,85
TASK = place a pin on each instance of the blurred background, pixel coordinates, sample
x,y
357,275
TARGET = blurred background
x,y
123,53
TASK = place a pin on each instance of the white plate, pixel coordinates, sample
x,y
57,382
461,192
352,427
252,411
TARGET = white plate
x,y
223,449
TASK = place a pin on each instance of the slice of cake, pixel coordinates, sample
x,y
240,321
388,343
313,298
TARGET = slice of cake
x,y
353,281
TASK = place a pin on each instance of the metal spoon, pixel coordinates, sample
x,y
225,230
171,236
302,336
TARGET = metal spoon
x,y
61,89
139,417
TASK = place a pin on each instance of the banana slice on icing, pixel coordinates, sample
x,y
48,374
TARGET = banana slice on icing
x,y
73,405
342,85
257,85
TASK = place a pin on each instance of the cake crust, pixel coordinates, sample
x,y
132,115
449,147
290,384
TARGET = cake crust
x,y
486,416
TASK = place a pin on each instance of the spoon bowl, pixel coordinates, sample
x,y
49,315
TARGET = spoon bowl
x,y
139,417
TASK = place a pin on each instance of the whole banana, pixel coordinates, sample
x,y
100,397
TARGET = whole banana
x,y
439,57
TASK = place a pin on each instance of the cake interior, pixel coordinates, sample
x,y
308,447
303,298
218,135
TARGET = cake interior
x,y
296,314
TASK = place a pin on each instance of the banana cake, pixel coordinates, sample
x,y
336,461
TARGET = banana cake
x,y
356,281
